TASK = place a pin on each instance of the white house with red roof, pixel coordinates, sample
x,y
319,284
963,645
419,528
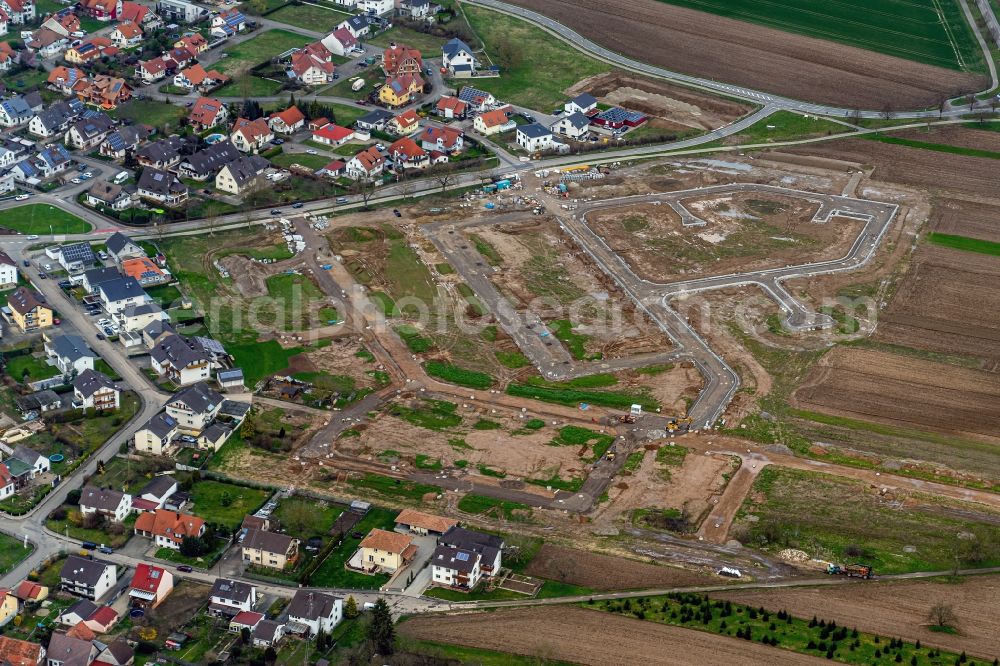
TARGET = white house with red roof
x,y
340,42
332,135
405,123
310,69
249,136
126,35
366,165
452,107
444,139
288,121
406,154
102,10
150,586
207,112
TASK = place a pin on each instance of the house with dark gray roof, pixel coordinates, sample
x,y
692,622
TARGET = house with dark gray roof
x,y
240,175
488,546
174,357
89,132
96,276
69,353
317,611
77,257
206,163
124,140
162,154
158,490
195,407
95,390
230,379
39,402
113,504
121,247
116,295
269,549
109,195
156,436
161,187
268,633
68,650
229,597
86,577
583,103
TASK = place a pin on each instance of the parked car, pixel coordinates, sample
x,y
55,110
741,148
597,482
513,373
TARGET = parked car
x,y
395,211
312,151
21,197
88,545
42,276
186,568
297,204
26,263
33,237
278,142
76,181
108,331
100,336
275,212
105,550
188,439
65,284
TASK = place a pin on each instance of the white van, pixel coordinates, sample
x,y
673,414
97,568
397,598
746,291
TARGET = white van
x,y
121,177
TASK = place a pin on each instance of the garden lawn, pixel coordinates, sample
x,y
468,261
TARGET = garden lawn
x,y
42,219
12,551
241,58
305,159
34,368
429,45
331,573
544,68
225,503
311,17
150,112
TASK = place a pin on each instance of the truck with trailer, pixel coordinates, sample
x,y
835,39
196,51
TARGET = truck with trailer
x,y
850,570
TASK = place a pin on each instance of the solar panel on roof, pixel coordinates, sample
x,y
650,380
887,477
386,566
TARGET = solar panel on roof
x,y
462,557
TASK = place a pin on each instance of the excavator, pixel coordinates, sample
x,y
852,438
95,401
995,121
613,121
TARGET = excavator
x,y
680,424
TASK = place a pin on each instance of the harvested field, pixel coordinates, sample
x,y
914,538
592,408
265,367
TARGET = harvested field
x,y
948,302
706,45
594,638
685,107
933,170
966,218
955,135
544,271
904,391
745,232
605,572
896,609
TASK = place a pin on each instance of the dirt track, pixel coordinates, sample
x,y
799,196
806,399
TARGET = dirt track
x,y
724,49
595,638
895,609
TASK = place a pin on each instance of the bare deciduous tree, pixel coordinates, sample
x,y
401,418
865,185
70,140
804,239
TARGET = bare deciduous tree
x,y
364,188
942,615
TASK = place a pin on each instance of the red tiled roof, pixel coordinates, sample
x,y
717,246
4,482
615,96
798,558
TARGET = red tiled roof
x,y
205,110
147,577
333,132
290,116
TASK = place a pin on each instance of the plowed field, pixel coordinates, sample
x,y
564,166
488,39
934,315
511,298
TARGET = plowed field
x,y
949,301
594,638
710,46
905,391
966,218
896,609
604,572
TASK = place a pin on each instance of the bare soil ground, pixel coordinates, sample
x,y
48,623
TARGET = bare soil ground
x,y
340,357
955,135
905,391
685,107
546,272
896,609
947,303
714,47
594,638
966,218
745,232
605,572
913,166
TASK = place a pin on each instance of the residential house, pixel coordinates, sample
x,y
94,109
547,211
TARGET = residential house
x,y
584,103
228,23
55,119
406,154
15,111
139,14
376,7
29,309
16,652
28,591
358,26
109,195
161,187
194,407
269,549
231,597
231,379
373,120
156,435
417,10
207,113
52,160
152,70
150,585
386,551
87,577
39,402
455,567
400,90
144,271
113,504
242,175
405,123
458,58
8,606
162,154
332,135
89,133
179,11
206,163
535,137
452,108
447,140
126,35
116,295
478,100
47,43
267,633
573,126
318,611
69,649
19,11
117,652
138,317
98,618
63,78
195,77
488,546
7,485
288,121
310,69
95,390
489,123
8,271
400,59
156,332
155,493
124,140
90,50
8,56
249,136
102,10
422,523
70,354
96,276
193,42
121,247
168,529
244,620
334,169
76,257
33,460
366,165
340,42
174,358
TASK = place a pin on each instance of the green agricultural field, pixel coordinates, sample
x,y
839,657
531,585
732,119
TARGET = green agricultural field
x,y
842,520
544,67
320,18
42,219
937,147
225,503
930,31
965,243
456,375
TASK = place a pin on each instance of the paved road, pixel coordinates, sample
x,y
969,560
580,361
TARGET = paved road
x,y
588,46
